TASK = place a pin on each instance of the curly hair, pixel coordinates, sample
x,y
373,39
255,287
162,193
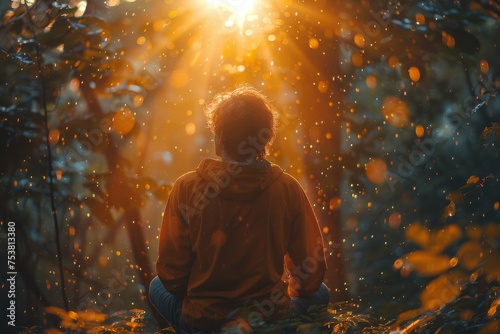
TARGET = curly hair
x,y
245,122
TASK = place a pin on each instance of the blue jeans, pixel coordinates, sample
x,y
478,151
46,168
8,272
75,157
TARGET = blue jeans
x,y
170,306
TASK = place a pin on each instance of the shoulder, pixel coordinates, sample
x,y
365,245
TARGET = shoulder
x,y
290,181
186,181
187,177
291,186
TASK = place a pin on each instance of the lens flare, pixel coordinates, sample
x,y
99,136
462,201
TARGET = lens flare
x,y
236,10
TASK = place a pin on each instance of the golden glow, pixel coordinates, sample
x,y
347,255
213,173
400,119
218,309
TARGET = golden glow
x,y
485,67
237,11
123,121
376,171
395,111
419,131
371,81
414,73
54,136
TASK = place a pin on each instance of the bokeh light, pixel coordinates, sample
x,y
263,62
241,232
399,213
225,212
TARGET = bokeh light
x,y
395,111
376,171
123,121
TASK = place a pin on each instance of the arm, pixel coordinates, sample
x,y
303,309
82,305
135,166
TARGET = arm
x,y
174,250
305,260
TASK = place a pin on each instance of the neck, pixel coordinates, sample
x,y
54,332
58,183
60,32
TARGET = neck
x,y
227,158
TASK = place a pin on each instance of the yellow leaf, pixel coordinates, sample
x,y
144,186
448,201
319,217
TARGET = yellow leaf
x,y
69,324
61,313
445,237
427,263
418,234
92,316
470,254
443,290
134,325
472,179
73,315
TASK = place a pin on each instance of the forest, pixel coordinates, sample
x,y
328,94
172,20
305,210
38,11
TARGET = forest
x,y
389,119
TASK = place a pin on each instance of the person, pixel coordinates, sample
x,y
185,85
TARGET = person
x,y
239,246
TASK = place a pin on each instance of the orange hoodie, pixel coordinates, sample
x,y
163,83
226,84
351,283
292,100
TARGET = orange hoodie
x,y
231,236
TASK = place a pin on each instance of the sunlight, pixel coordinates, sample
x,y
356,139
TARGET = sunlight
x,y
236,11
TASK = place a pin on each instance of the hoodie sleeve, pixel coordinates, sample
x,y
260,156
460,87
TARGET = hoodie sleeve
x,y
304,260
175,257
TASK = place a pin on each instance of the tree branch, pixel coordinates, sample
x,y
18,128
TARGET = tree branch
x,y
43,96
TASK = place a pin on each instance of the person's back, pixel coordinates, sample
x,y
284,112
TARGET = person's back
x,y
239,237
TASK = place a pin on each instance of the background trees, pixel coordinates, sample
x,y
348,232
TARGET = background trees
x,y
389,119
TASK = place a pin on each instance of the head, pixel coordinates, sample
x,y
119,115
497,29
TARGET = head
x,y
243,123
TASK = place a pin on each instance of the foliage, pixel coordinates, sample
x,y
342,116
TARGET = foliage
x,y
397,106
72,107
424,87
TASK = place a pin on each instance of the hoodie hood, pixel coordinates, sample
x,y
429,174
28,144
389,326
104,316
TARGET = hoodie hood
x,y
240,182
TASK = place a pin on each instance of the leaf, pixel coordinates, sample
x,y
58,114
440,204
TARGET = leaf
x,y
54,37
456,197
490,135
21,58
470,254
418,234
92,316
95,24
478,106
61,313
445,237
473,179
443,290
448,211
427,263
